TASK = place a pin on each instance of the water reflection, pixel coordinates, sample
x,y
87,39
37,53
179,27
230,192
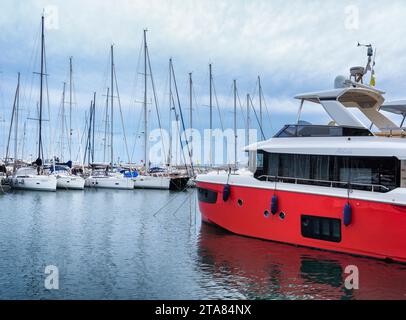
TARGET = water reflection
x,y
265,270
110,245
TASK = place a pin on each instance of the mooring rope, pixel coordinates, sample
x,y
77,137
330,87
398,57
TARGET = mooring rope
x,y
169,201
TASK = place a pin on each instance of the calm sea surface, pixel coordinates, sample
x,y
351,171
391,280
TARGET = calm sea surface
x,y
117,245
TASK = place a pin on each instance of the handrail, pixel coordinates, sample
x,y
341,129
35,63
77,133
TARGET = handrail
x,y
372,186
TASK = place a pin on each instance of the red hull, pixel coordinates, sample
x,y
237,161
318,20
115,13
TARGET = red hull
x,y
377,229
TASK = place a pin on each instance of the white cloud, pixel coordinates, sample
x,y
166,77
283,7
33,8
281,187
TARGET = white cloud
x,y
295,46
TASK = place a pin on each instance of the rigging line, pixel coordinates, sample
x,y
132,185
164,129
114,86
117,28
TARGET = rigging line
x,y
106,129
268,113
136,76
255,90
30,95
134,97
11,125
51,135
156,102
231,94
183,123
137,136
82,136
217,105
106,74
179,135
31,65
164,98
61,116
121,116
88,142
260,92
196,104
66,128
180,140
23,143
256,117
244,118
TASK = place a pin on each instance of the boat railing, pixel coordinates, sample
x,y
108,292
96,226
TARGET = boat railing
x,y
326,183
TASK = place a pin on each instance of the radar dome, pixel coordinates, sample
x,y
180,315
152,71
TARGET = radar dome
x,y
339,82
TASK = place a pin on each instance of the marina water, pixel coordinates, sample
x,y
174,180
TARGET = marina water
x,y
151,244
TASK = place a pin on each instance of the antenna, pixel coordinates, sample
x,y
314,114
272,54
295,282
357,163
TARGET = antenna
x,y
370,51
357,73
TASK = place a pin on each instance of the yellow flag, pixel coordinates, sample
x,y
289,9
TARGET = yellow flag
x,y
372,83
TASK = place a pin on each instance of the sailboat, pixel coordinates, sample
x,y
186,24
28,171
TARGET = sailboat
x,y
65,178
150,178
104,176
34,177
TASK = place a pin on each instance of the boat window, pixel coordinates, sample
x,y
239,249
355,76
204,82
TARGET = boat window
x,y
288,131
378,174
260,160
321,228
321,131
206,195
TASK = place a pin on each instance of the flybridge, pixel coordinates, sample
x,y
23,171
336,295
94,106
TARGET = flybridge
x,y
353,93
338,101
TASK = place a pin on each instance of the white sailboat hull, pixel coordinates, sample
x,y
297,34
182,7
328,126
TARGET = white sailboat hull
x,y
110,183
70,182
35,183
151,182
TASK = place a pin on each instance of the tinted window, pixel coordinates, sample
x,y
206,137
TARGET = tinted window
x,y
260,160
380,174
321,131
208,196
321,228
288,131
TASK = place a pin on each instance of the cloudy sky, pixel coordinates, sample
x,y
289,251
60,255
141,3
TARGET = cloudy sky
x,y
295,46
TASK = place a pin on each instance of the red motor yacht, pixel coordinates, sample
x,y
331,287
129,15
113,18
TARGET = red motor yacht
x,y
338,187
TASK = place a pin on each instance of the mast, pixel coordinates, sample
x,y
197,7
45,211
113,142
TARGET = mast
x,y
23,144
89,134
170,113
16,123
70,108
191,110
211,112
41,89
94,123
260,102
111,106
235,122
106,126
63,122
13,115
183,126
145,104
190,101
247,136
